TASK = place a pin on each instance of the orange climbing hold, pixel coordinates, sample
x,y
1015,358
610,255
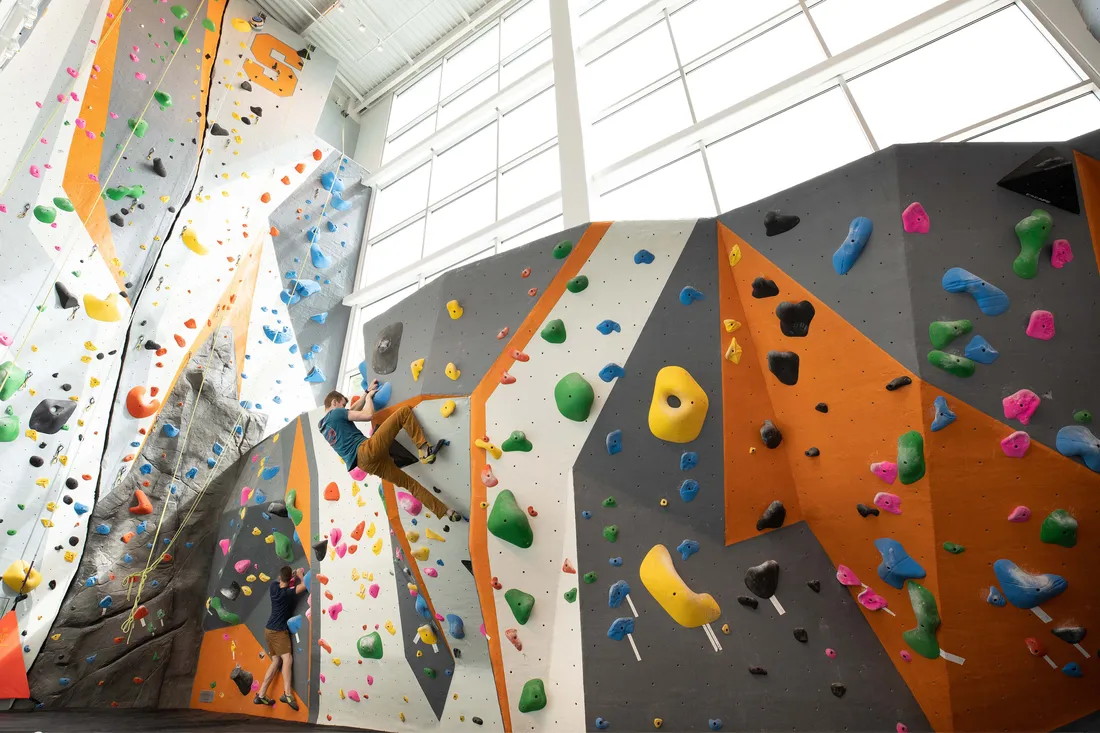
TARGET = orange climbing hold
x,y
322,579
142,505
301,167
265,197
190,323
324,645
285,180
357,533
127,537
274,232
332,492
154,391
137,406
317,154
179,340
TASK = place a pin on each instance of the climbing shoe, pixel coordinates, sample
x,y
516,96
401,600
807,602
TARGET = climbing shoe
x,y
289,701
427,453
262,701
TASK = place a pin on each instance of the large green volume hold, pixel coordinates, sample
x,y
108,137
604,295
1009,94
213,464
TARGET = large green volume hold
x,y
292,510
574,397
508,522
370,646
283,547
941,333
554,332
223,613
1059,528
521,603
1032,231
923,638
911,457
959,366
533,696
12,378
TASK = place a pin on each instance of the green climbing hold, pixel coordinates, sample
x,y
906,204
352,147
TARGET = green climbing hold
x,y
941,333
1059,528
533,696
610,502
283,547
508,522
516,441
12,378
1032,231
117,193
611,532
521,604
291,501
590,577
554,332
164,99
953,548
562,249
64,204
959,366
577,284
1083,416
911,457
224,614
429,672
209,25
45,214
140,127
571,595
9,426
923,638
179,11
574,397
180,35
370,646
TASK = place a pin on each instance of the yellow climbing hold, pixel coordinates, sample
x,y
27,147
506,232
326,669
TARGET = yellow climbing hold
x,y
246,590
417,367
270,539
731,325
191,240
43,482
69,555
726,629
412,535
421,553
494,451
47,523
686,607
735,255
447,408
427,634
251,578
336,661
90,346
377,546
454,309
240,24
256,532
105,310
371,530
434,536
413,590
452,371
32,434
389,627
733,351
362,593
354,574
680,424
265,578
658,722
21,577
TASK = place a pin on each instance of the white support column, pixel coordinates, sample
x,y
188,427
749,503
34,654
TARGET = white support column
x,y
576,193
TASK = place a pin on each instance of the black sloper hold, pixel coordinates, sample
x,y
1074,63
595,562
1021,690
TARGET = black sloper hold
x,y
117,220
71,483
37,461
762,287
475,719
821,407
814,585
838,689
784,365
218,131
898,383
65,296
320,549
801,635
812,452
773,517
159,169
247,86
866,511
1070,634
763,579
246,121
794,318
243,679
258,111
67,499
151,345
776,223
748,601
758,671
277,508
770,434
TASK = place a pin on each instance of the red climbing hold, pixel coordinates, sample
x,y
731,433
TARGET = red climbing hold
x,y
533,292
190,323
137,406
265,197
496,583
502,333
357,533
285,180
532,512
154,391
301,167
526,272
317,155
567,567
506,378
332,492
142,505
518,355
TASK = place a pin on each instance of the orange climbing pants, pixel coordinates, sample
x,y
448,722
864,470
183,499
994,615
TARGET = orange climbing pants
x,y
374,457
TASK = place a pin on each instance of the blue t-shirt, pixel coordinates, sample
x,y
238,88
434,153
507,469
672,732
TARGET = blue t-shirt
x,y
342,435
282,607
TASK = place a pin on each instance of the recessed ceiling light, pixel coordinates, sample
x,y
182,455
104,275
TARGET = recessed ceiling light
x,y
378,48
362,28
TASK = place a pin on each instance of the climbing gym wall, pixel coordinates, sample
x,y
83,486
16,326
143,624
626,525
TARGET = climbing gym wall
x,y
170,215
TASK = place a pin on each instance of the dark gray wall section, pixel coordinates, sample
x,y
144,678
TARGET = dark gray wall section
x,y
492,295
292,248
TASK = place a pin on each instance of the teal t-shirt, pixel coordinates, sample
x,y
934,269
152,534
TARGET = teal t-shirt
x,y
342,435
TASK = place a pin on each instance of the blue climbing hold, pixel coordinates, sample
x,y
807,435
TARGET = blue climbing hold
x,y
382,396
620,627
1024,590
146,469
306,288
331,226
455,627
606,327
422,607
848,252
312,234
601,723
217,448
278,337
994,598
319,259
142,526
307,356
689,460
210,462
981,351
586,514
307,579
338,203
170,430
127,558
192,472
614,442
320,317
617,593
643,257
1072,670
64,681
896,566
611,371
261,497
90,582
944,416
103,529
715,723
90,658
1077,441
315,376
330,182
269,473
990,299
687,548
615,562
689,489
289,296
689,295
80,509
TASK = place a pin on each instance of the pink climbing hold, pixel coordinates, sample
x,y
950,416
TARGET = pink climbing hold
x,y
409,503
5,338
357,474
35,172
870,600
431,572
370,679
502,333
353,695
846,576
342,549
255,685
245,493
134,57
830,653
1041,325
885,470
71,71
1016,445
906,656
902,728
373,590
482,629
139,76
888,502
241,566
75,97
334,535
113,115
1020,514
1021,405
1061,254
915,219
334,610
487,476
224,544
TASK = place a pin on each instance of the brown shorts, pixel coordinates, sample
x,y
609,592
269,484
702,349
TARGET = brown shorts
x,y
277,642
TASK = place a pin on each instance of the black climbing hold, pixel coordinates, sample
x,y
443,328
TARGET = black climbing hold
x,y
50,415
277,508
784,365
773,517
37,461
117,220
838,689
458,653
243,679
770,434
71,483
758,671
258,111
447,528
465,563
124,211
801,635
171,209
67,499
74,541
794,318
1047,176
320,549
812,452
247,86
762,287
814,585
898,383
232,592
218,131
821,407
475,719
65,296
763,579
866,511
748,601
386,348
776,223
53,585
67,387
1070,634
159,169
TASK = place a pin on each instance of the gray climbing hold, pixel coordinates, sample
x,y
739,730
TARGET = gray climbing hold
x,y
117,220
386,347
277,508
65,296
770,434
159,169
813,452
776,223
1070,634
760,671
773,517
51,415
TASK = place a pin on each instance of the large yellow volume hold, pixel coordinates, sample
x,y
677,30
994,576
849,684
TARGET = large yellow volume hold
x,y
21,577
686,607
192,241
682,423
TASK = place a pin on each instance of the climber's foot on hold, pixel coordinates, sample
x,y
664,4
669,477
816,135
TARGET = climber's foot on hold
x,y
258,700
289,701
427,453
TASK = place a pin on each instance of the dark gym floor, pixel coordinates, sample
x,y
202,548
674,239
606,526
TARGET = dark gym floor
x,y
149,721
